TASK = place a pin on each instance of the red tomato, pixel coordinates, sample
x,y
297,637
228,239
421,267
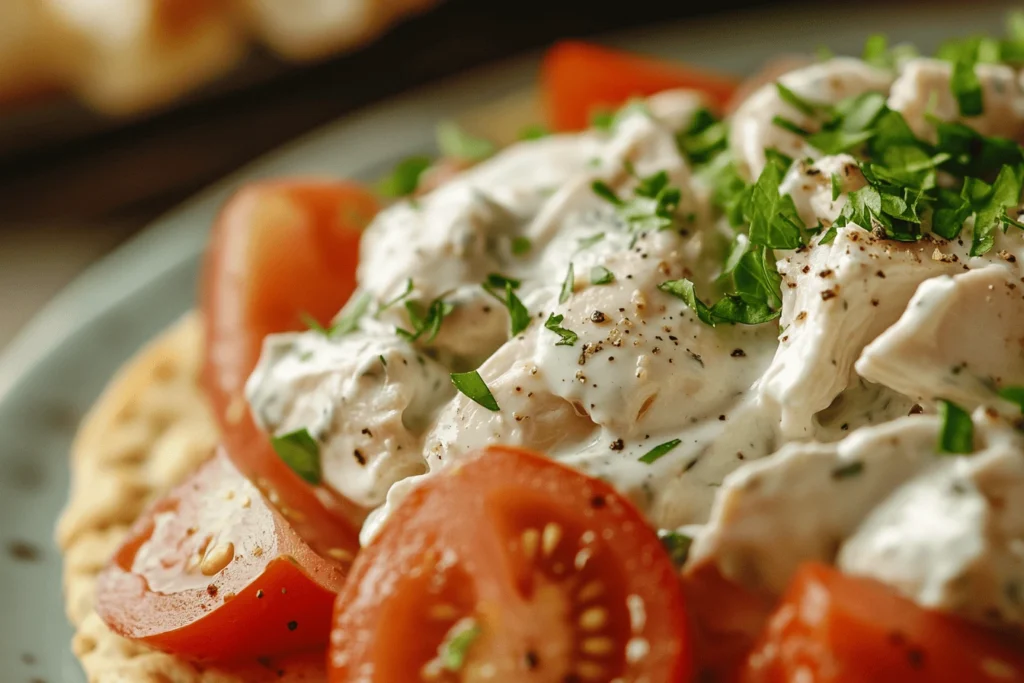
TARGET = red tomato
x,y
279,250
510,567
213,572
578,79
726,622
833,628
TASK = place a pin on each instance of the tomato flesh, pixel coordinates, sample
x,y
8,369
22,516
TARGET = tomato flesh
x,y
213,572
579,79
556,576
833,628
280,250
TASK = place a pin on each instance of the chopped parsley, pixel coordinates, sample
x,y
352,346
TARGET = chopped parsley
x,y
474,387
606,121
346,323
426,320
568,285
405,293
455,649
677,545
553,323
957,433
599,275
503,289
653,204
521,246
659,451
405,177
587,242
1013,394
534,131
837,186
300,452
457,143
705,137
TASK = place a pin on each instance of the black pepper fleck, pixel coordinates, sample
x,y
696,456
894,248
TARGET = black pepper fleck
x,y
292,625
617,445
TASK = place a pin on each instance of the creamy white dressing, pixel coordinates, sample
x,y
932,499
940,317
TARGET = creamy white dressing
x,y
794,441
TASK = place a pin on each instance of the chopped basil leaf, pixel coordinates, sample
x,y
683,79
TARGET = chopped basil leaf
x,y
473,386
521,245
850,469
405,293
425,320
658,451
300,452
1013,394
553,323
677,545
405,177
568,285
534,131
456,648
599,275
957,435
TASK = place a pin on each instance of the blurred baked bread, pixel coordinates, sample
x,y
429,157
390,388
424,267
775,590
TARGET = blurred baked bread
x,y
125,56
312,29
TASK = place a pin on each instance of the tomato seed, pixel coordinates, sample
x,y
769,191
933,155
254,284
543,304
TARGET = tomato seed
x,y
550,538
598,646
217,558
530,540
593,618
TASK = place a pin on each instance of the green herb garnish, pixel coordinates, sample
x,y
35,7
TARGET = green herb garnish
x,y
521,245
347,323
519,317
599,275
426,320
534,131
457,143
553,323
300,452
405,178
677,545
405,293
659,451
957,433
474,387
568,285
1013,394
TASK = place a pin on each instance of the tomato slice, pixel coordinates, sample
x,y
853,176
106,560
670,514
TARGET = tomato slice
x,y
511,567
578,79
213,572
833,628
280,250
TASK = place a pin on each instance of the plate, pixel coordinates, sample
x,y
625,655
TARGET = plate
x,y
55,369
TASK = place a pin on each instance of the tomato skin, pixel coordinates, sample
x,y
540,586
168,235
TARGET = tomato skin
x,y
458,541
580,78
280,250
212,572
843,629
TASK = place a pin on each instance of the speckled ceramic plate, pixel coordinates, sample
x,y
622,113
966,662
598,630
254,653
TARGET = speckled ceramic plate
x,y
55,369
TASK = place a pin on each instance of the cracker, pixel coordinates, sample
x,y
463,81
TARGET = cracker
x,y
148,430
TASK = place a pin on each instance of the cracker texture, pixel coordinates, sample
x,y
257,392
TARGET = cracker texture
x,y
148,430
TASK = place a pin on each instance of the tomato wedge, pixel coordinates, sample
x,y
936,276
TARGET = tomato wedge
x,y
510,567
213,572
578,79
833,628
280,250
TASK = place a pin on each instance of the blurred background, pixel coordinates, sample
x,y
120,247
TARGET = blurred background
x,y
113,111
